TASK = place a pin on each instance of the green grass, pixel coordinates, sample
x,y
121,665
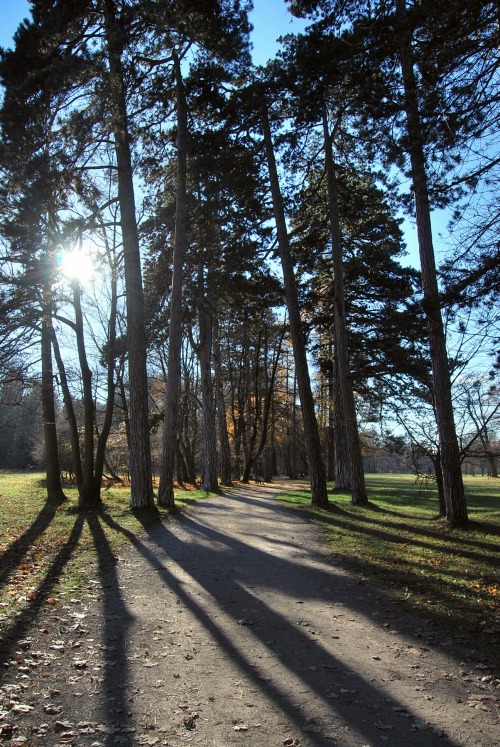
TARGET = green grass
x,y
450,577
50,552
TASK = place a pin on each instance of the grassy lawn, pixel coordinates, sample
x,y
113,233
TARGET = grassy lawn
x,y
450,577
48,552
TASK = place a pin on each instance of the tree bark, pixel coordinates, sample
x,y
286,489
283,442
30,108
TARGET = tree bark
x,y
319,492
456,509
53,472
140,448
89,492
102,440
343,481
209,437
225,449
76,456
344,380
166,488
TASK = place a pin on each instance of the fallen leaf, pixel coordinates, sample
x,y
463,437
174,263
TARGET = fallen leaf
x,y
21,708
68,737
63,725
52,709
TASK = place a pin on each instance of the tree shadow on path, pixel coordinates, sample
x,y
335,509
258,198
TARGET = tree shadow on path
x,y
115,641
353,705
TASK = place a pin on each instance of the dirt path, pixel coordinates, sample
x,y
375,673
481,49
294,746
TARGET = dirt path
x,y
230,626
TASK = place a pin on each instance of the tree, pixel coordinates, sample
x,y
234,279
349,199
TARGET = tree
x,y
313,445
369,24
140,449
166,491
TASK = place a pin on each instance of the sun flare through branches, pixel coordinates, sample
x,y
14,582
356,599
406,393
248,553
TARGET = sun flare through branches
x,y
77,264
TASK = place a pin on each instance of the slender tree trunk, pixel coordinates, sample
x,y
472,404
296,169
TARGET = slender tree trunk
x,y
456,509
439,485
343,481
225,449
76,456
90,493
293,435
166,488
140,447
253,415
209,437
110,389
53,472
330,469
344,380
124,401
319,492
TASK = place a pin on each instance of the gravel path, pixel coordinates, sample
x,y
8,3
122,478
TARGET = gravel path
x,y
231,626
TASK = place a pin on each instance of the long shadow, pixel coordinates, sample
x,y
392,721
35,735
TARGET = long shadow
x,y
403,575
345,520
305,657
17,629
117,621
18,549
335,520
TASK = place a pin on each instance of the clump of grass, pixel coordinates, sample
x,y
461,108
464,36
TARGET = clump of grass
x,y
449,576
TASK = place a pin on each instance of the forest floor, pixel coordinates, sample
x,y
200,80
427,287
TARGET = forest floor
x,y
231,624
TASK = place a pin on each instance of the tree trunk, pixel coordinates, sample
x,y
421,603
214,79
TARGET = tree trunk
x,y
330,462
456,509
89,493
439,484
343,480
166,488
209,437
76,456
53,472
319,492
344,380
140,448
110,395
225,449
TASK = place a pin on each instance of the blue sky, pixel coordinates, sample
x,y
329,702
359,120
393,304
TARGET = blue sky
x,y
270,19
12,12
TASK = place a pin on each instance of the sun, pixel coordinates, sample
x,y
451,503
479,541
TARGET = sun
x,y
77,264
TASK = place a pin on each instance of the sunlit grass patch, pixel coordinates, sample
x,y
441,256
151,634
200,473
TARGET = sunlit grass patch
x,y
451,576
52,551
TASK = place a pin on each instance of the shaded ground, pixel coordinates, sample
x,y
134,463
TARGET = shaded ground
x,y
231,626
